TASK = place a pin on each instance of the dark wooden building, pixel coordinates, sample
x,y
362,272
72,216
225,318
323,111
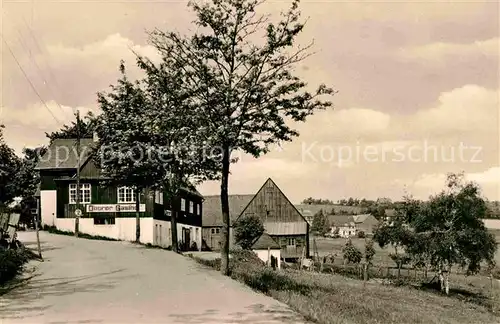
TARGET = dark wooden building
x,y
109,210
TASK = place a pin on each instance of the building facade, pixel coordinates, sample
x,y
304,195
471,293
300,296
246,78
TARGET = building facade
x,y
109,210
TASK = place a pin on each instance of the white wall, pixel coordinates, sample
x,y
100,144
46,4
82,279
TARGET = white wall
x,y
162,235
264,256
123,229
48,206
492,223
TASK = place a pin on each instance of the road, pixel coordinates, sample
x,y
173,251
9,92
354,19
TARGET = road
x,y
88,281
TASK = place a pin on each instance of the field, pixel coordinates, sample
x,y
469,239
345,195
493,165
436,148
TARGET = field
x,y
332,298
327,246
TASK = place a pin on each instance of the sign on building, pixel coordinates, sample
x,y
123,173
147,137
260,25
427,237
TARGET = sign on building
x,y
114,208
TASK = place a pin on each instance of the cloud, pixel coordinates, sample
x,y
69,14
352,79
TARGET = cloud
x,y
488,180
50,115
440,52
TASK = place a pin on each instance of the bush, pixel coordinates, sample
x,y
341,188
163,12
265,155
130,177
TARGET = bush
x,y
11,263
361,234
351,253
247,230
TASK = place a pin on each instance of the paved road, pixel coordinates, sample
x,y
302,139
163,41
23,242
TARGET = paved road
x,y
86,281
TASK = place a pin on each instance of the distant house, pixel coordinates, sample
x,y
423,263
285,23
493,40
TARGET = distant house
x,y
282,221
267,249
110,210
351,225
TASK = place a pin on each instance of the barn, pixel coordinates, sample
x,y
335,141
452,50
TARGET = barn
x,y
282,221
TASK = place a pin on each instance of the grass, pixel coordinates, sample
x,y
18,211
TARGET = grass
x,y
332,298
54,230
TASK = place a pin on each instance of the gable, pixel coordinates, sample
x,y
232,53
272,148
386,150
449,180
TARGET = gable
x,y
272,206
62,154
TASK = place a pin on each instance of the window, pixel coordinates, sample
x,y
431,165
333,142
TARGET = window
x,y
183,204
191,207
213,230
291,241
84,193
159,197
126,195
217,230
104,221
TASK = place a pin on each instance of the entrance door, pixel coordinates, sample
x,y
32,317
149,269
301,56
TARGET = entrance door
x,y
186,238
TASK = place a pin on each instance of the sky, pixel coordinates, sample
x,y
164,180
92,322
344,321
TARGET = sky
x,y
418,89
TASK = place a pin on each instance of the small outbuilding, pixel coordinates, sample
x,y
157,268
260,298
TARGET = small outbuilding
x,y
268,250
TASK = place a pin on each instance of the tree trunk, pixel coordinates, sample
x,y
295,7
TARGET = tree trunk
x,y
173,226
38,238
224,267
137,216
441,278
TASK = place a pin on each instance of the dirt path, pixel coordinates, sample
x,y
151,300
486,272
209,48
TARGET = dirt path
x,y
85,281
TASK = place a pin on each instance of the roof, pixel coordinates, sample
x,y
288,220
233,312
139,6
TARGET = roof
x,y
340,220
62,154
286,228
265,242
212,214
360,218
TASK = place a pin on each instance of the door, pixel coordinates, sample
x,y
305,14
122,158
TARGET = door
x,y
186,238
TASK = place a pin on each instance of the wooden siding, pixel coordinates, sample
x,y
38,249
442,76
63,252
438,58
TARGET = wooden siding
x,y
89,170
47,178
184,217
292,251
100,194
271,205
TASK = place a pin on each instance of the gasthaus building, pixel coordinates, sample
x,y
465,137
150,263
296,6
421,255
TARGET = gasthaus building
x,y
109,211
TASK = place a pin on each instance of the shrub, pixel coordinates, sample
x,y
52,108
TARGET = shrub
x,y
12,261
361,234
247,230
351,253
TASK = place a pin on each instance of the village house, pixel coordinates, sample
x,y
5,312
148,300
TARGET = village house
x,y
282,221
351,225
107,210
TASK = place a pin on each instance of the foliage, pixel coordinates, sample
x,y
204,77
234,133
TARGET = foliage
x,y
9,168
11,262
361,234
320,224
87,126
369,251
313,201
242,93
246,230
351,253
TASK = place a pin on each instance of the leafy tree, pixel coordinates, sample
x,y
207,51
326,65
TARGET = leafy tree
x,y
351,253
243,93
9,168
320,224
313,201
122,140
361,234
369,252
87,127
452,227
246,230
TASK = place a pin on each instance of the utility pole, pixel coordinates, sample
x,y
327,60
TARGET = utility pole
x,y
77,211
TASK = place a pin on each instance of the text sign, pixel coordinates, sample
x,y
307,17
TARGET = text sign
x,y
115,208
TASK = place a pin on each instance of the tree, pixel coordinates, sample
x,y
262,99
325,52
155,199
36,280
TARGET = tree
x,y
243,93
9,168
351,253
122,140
452,227
246,230
87,126
320,224
145,139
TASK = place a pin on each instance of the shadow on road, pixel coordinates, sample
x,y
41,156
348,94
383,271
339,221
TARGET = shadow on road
x,y
257,314
23,300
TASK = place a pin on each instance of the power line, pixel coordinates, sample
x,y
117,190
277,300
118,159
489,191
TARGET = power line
x,y
40,73
28,79
33,36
